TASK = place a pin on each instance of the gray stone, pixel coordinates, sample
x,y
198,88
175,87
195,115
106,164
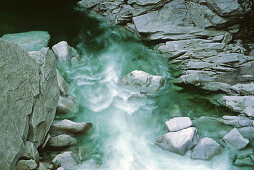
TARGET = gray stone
x,y
45,166
26,165
69,127
62,84
30,41
247,132
65,105
218,38
179,142
31,152
61,141
143,82
243,158
60,168
245,89
45,106
227,38
206,149
67,160
62,51
235,140
237,121
19,84
178,123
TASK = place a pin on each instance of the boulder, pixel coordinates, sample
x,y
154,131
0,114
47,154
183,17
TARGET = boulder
x,y
44,109
61,141
235,140
206,149
237,121
26,165
62,84
247,132
45,166
19,84
65,105
31,152
67,160
178,123
143,82
30,41
69,127
179,142
63,51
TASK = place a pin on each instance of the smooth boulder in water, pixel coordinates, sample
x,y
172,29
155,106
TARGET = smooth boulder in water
x,y
67,160
61,141
235,140
179,142
30,41
143,82
178,123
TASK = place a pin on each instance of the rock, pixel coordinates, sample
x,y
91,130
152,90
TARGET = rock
x,y
17,97
206,149
62,51
26,165
61,141
218,38
178,123
247,132
235,139
45,166
65,105
143,82
30,41
60,168
227,38
179,142
237,121
243,158
69,127
241,104
44,109
31,152
62,84
67,160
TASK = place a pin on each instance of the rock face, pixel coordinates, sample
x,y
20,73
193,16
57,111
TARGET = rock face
x,y
28,99
68,127
143,82
67,160
206,149
179,142
178,123
235,139
30,41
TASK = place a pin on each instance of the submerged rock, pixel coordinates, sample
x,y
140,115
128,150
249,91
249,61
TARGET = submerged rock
x,y
178,123
235,140
179,142
26,165
69,127
30,41
244,158
143,82
61,141
67,160
206,149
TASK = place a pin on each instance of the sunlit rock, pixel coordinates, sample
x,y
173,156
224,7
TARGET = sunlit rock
x,y
179,142
178,123
69,127
67,160
235,140
65,105
26,165
30,41
62,84
143,82
62,51
61,141
206,149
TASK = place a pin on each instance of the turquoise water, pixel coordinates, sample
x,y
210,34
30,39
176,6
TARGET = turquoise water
x,y
125,126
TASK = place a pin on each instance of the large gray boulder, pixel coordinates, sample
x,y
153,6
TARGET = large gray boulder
x,y
247,132
235,140
237,121
30,41
69,127
19,84
178,123
67,160
29,95
206,149
143,82
179,142
45,105
61,141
